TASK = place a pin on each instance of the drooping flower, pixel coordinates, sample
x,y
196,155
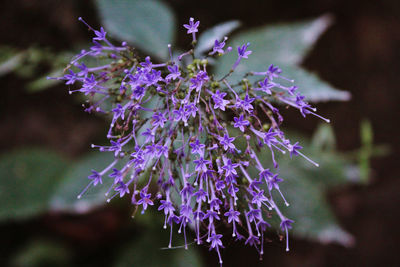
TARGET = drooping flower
x,y
171,124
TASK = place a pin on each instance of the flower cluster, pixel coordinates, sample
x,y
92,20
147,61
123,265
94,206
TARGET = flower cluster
x,y
192,134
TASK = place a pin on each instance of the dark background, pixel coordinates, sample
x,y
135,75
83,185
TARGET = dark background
x,y
359,53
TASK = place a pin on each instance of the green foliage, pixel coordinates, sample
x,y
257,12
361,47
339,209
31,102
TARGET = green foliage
x,y
218,32
10,59
150,25
324,138
285,45
305,185
34,181
26,64
147,248
42,253
366,149
64,197
27,181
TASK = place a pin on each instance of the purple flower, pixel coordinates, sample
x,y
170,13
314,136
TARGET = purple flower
x,y
226,142
70,78
211,216
201,195
240,123
147,63
166,206
218,47
185,212
242,53
122,189
265,86
153,77
151,150
145,199
242,50
230,168
180,114
160,112
162,151
192,26
119,111
117,175
273,71
215,240
201,164
232,215
263,225
269,137
159,120
293,149
116,147
150,136
198,81
259,198
138,92
197,147
245,104
219,101
215,203
265,174
292,90
100,35
84,69
95,177
254,214
285,225
187,191
191,109
174,73
273,182
252,240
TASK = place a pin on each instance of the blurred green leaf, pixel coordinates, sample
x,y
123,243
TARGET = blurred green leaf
x,y
324,138
42,253
148,24
27,180
10,59
64,197
315,89
285,45
218,32
309,209
146,249
365,153
305,185
43,83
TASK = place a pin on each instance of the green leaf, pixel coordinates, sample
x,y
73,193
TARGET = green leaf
x,y
146,251
147,248
324,138
309,209
42,253
10,60
149,24
305,185
27,181
284,45
313,87
43,83
75,180
218,32
365,154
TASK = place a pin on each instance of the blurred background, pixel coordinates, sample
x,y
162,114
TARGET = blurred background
x,y
45,137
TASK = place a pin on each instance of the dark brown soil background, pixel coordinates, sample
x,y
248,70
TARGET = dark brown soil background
x,y
359,53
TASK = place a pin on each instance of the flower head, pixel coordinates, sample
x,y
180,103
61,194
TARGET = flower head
x,y
171,127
